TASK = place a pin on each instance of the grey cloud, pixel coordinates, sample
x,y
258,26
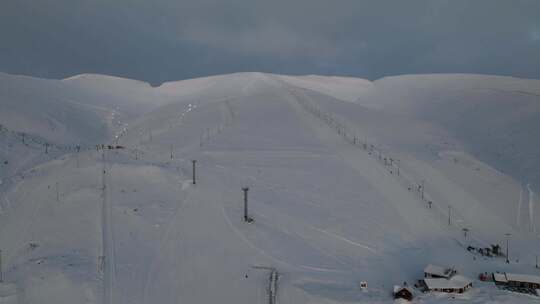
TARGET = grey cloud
x,y
269,39
163,40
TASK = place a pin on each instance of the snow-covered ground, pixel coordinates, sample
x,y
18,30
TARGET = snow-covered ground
x,y
87,225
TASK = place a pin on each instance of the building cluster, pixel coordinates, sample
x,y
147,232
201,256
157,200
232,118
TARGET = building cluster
x,y
436,279
447,280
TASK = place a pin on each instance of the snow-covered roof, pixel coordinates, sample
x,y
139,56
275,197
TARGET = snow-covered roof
x,y
500,277
438,270
523,278
397,288
455,282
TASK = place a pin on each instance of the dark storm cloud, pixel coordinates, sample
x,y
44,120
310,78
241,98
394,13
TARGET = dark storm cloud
x,y
160,40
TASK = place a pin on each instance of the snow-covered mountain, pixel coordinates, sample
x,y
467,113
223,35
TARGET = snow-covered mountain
x,y
334,167
494,117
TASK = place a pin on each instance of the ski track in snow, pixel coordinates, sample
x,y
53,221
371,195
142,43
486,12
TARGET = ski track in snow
x,y
165,239
531,208
520,203
265,254
345,239
108,241
333,235
186,184
294,234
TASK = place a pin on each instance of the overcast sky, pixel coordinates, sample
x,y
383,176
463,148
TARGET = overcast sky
x,y
160,40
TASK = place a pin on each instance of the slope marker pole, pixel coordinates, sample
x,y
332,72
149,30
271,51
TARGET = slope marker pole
x,y
423,185
449,215
193,162
247,219
1,273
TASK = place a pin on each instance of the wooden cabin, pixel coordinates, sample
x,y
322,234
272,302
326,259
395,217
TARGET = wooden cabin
x,y
517,280
402,293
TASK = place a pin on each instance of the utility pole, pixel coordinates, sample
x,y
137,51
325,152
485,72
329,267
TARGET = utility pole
x,y
449,215
247,219
46,148
57,193
507,257
23,136
101,258
1,273
77,156
172,152
423,184
193,162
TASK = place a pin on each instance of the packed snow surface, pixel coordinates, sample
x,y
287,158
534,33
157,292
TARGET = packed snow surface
x,y
349,180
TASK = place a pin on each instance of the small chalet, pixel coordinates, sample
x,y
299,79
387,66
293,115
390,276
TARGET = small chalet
x,y
517,280
434,271
455,284
403,293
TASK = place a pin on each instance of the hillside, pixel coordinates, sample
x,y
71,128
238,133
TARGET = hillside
x,y
330,208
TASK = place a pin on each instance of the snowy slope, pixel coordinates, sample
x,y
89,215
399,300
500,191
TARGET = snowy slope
x,y
76,109
494,117
82,110
45,107
344,88
328,212
130,97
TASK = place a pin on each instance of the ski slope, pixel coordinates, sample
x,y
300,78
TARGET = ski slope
x,y
129,226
